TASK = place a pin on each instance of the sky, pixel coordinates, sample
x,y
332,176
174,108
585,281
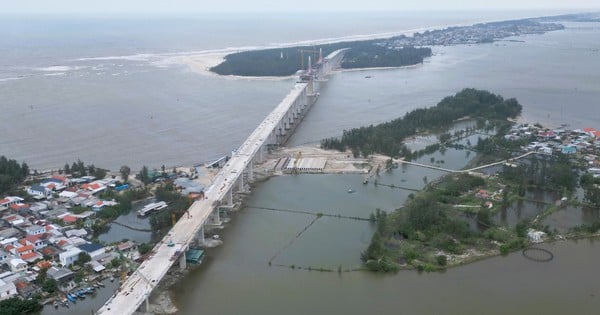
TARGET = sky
x,y
193,6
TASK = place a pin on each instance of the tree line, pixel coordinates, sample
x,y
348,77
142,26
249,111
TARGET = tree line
x,y
387,138
12,174
286,61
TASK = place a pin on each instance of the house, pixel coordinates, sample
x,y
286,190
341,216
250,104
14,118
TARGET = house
x,y
9,241
23,250
7,290
69,219
68,194
26,289
100,204
38,206
19,207
75,232
95,250
33,229
9,233
50,252
7,201
94,187
545,150
39,191
536,236
17,265
36,240
69,257
569,149
61,275
31,257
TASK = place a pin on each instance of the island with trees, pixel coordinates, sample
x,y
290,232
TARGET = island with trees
x,y
395,51
460,217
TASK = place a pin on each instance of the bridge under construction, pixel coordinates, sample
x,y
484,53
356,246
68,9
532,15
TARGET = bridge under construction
x,y
274,130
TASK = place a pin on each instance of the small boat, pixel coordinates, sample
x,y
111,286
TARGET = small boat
x,y
100,284
65,303
80,294
350,190
96,285
367,77
112,279
71,298
89,290
55,304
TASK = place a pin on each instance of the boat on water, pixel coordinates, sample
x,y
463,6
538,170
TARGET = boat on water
x,y
71,298
112,279
65,302
55,304
350,190
80,294
151,207
100,284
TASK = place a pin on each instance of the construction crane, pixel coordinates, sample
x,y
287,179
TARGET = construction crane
x,y
302,51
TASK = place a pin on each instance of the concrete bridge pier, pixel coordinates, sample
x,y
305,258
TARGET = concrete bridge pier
x,y
250,171
182,261
241,182
214,218
200,235
147,303
230,197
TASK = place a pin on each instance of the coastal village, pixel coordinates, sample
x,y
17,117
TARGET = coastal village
x,y
48,246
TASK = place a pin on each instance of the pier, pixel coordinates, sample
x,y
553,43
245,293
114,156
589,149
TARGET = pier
x,y
274,130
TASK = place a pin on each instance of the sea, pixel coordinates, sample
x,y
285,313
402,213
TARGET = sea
x,y
109,91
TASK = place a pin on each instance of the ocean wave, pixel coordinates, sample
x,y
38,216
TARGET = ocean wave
x,y
59,68
10,79
55,74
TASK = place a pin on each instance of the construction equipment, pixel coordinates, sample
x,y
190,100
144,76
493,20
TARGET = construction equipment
x,y
302,51
298,157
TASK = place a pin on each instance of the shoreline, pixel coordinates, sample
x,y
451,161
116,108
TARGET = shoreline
x,y
202,62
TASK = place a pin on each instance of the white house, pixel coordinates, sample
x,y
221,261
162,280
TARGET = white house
x,y
39,191
93,249
7,290
17,265
69,257
536,236
7,201
33,229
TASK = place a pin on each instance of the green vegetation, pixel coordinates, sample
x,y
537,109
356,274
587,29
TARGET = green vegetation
x,y
17,306
178,205
286,61
387,138
12,174
376,56
144,248
429,229
80,169
591,187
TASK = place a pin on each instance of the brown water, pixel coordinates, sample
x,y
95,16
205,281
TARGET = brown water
x,y
236,277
